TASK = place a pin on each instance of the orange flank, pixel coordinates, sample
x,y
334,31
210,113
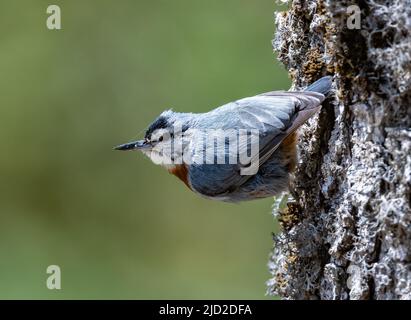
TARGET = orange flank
x,y
181,172
288,147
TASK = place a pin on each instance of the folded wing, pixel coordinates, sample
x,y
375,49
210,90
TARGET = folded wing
x,y
274,114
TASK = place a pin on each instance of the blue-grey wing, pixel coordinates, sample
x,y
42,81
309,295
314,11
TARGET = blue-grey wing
x,y
274,115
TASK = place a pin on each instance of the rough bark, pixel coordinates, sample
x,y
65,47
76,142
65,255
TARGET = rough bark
x,y
347,234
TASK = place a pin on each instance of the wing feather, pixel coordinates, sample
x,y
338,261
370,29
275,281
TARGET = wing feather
x,y
275,115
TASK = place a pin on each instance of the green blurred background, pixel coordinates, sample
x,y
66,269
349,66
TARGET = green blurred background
x,y
117,225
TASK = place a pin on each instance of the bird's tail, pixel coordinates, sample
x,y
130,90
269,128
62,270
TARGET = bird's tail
x,y
322,85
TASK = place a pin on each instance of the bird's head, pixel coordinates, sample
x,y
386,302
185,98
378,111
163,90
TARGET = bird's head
x,y
163,138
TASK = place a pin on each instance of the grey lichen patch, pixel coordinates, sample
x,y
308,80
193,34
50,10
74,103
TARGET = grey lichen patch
x,y
286,210
348,233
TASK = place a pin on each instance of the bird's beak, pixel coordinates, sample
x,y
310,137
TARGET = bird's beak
x,y
135,145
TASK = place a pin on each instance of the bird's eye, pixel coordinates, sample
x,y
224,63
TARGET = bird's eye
x,y
160,139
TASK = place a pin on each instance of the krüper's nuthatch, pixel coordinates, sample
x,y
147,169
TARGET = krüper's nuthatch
x,y
221,174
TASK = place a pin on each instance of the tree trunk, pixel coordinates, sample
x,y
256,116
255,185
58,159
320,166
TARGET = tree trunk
x,y
347,234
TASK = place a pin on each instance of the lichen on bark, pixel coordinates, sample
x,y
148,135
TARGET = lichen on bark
x,y
347,235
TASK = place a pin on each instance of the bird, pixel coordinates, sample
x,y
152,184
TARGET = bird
x,y
272,118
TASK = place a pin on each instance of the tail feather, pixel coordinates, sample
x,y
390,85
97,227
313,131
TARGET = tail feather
x,y
322,85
